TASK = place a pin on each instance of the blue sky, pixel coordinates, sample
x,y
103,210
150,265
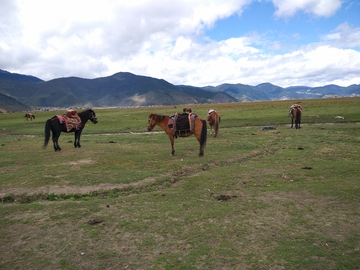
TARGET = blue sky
x,y
193,42
293,32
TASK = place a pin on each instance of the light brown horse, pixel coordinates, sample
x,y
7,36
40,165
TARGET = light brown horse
x,y
29,116
296,114
199,130
214,121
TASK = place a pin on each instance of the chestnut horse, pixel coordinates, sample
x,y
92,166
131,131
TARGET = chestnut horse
x,y
295,114
29,116
199,130
214,121
57,127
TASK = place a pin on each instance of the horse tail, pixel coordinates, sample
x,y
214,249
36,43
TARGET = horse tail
x,y
298,118
298,115
47,132
203,133
216,124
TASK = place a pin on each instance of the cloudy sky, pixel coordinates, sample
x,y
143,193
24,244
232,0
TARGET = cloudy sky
x,y
192,42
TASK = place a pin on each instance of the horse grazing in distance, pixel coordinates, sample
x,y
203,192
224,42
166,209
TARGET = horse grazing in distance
x,y
59,123
295,114
214,118
184,127
29,116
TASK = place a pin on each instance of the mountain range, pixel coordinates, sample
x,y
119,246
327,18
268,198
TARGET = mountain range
x,y
24,92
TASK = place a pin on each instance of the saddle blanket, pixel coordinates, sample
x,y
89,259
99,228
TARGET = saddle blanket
x,y
182,123
71,122
292,107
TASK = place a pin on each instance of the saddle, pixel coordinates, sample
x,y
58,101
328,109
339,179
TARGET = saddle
x,y
182,123
71,119
208,118
292,107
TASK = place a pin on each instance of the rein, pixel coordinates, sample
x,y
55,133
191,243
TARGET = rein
x,y
93,118
150,125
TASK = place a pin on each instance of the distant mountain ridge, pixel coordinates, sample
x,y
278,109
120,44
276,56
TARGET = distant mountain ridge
x,y
126,89
14,77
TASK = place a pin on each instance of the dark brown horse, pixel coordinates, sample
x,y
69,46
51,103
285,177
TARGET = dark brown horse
x,y
214,121
296,114
29,116
56,127
199,130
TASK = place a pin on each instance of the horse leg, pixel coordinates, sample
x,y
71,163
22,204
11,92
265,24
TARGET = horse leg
x,y
292,122
55,139
77,138
198,137
171,137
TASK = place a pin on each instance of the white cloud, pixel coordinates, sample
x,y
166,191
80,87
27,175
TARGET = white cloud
x,y
344,36
321,8
162,39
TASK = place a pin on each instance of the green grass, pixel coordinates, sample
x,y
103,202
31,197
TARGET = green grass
x,y
292,194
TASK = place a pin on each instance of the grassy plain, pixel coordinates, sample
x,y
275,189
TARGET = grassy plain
x,y
290,198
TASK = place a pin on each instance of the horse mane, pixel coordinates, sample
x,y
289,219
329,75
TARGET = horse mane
x,y
88,110
157,117
85,112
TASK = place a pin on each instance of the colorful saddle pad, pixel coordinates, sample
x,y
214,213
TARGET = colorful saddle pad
x,y
182,123
73,122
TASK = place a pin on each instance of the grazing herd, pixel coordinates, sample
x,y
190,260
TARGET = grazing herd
x,y
179,125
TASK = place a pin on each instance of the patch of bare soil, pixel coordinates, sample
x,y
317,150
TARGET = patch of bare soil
x,y
73,189
66,190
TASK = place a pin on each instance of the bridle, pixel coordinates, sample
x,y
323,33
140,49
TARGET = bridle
x,y
150,126
93,118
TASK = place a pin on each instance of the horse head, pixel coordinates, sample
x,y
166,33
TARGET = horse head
x,y
92,116
151,122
